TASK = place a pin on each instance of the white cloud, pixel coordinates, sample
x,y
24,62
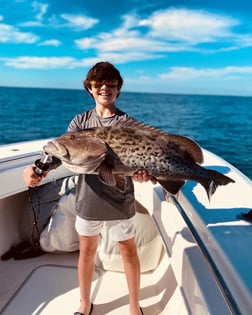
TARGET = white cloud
x,y
86,43
40,10
115,40
135,39
121,44
187,73
50,42
26,62
11,34
188,25
168,31
34,62
244,40
124,44
80,22
119,58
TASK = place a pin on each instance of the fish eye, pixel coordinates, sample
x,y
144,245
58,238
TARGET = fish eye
x,y
72,137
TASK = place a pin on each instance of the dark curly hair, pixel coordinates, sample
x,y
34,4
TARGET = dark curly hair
x,y
103,70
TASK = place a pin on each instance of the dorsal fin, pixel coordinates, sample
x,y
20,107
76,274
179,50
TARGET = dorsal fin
x,y
189,145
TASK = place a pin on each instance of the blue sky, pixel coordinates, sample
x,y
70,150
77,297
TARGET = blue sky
x,y
201,47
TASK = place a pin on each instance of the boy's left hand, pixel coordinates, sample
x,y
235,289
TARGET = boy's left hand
x,y
143,176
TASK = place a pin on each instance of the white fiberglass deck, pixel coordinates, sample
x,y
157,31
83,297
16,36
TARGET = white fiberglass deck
x,y
53,288
185,283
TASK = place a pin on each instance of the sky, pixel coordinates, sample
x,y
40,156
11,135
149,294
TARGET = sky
x,y
189,47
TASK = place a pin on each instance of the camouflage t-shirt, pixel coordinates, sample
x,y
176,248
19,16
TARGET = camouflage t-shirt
x,y
94,199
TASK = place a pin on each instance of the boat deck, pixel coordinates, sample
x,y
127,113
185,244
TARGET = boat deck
x,y
205,268
49,283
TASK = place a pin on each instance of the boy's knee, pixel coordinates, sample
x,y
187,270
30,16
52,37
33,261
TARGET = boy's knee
x,y
128,250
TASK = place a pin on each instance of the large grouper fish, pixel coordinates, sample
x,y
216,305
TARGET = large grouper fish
x,y
124,148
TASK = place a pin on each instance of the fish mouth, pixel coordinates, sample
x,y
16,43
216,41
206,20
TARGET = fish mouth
x,y
56,149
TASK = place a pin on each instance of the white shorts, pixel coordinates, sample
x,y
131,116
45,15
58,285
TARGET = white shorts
x,y
119,230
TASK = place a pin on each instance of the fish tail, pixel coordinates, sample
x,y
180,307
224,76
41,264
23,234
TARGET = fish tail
x,y
216,179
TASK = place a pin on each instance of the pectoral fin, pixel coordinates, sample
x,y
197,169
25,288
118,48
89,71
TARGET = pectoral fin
x,y
105,175
120,182
108,178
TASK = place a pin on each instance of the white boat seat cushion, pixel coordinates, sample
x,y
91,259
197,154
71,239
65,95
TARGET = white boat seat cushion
x,y
60,236
148,242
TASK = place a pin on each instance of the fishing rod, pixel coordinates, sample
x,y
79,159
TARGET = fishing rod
x,y
42,164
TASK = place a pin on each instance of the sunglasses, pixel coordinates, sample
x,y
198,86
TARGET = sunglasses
x,y
109,83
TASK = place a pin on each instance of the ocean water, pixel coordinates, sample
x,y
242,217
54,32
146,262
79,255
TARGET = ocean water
x,y
221,124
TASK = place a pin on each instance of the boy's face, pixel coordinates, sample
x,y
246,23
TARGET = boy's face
x,y
104,92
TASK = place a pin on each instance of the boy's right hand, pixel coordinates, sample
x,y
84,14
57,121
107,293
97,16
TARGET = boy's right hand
x,y
31,179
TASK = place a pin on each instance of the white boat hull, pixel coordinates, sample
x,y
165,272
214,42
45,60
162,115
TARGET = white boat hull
x,y
204,268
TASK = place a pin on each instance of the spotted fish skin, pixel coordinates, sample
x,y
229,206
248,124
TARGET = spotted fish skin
x,y
121,150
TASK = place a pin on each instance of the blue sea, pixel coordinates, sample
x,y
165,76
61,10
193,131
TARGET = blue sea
x,y
221,124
